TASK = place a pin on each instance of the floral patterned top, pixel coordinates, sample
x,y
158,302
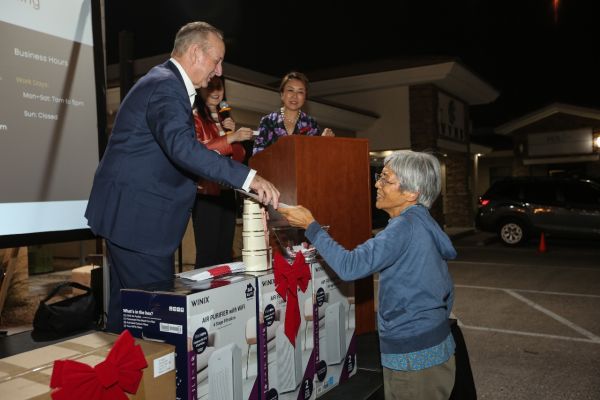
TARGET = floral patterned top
x,y
422,359
271,128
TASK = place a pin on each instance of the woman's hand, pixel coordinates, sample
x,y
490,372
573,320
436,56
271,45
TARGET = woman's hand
x,y
327,132
228,124
297,216
240,135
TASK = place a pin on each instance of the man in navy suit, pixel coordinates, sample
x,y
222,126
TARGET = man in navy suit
x,y
145,185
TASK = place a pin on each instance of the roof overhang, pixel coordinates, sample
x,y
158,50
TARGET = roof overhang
x,y
586,115
451,77
479,149
141,66
562,160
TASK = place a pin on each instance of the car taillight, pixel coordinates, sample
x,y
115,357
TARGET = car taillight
x,y
483,202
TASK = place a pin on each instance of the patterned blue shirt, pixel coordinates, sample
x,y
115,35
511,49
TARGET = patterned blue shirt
x,y
422,359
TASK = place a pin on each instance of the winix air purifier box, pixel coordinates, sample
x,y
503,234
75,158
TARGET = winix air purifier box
x,y
286,371
333,328
206,321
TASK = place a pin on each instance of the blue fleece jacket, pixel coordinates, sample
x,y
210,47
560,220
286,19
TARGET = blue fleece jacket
x,y
415,288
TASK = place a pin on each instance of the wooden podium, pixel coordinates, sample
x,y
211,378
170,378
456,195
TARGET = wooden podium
x,y
330,177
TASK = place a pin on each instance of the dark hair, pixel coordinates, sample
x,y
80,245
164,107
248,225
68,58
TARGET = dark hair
x,y
199,102
299,76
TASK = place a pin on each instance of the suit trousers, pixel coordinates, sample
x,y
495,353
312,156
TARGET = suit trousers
x,y
214,227
131,269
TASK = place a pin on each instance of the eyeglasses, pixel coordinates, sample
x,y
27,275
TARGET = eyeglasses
x,y
383,179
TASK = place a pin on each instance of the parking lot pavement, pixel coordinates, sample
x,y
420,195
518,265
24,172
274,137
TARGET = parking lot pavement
x,y
531,321
485,247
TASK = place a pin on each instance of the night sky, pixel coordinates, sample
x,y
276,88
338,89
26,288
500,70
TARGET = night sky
x,y
533,56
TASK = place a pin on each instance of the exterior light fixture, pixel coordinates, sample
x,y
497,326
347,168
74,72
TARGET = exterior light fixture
x,y
596,141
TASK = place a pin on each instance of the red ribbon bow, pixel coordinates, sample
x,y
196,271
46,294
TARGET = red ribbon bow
x,y
121,372
288,278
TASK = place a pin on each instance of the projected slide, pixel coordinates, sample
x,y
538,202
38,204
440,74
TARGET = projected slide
x,y
48,121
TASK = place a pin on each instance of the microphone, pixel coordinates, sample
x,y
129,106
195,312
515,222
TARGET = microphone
x,y
224,111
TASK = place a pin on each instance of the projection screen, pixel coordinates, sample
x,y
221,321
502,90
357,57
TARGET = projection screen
x,y
49,119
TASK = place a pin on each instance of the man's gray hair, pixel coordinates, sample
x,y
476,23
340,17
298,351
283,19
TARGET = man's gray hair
x,y
193,32
417,172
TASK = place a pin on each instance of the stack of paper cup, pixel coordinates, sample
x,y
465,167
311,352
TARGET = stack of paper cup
x,y
256,252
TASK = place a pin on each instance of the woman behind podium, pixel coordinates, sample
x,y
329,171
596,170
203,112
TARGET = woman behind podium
x,y
290,119
214,211
416,292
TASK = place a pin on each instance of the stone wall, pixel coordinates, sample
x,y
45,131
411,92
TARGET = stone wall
x,y
423,130
458,197
423,117
519,169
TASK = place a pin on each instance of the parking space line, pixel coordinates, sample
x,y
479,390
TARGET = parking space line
x,y
513,292
523,333
554,316
502,264
529,291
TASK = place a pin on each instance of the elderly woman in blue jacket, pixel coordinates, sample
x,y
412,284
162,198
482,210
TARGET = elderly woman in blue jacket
x,y
415,288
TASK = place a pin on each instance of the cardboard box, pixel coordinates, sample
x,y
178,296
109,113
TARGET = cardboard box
x,y
286,372
333,328
207,323
27,375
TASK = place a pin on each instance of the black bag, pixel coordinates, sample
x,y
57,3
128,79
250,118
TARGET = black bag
x,y
66,316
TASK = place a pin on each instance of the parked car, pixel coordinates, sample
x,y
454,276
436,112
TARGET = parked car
x,y
518,209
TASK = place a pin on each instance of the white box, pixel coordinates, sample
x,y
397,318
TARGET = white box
x,y
333,328
286,372
206,322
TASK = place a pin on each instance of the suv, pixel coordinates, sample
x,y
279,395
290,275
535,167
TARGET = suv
x,y
518,208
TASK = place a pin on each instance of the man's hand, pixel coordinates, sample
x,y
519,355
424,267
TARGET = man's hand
x,y
297,216
266,191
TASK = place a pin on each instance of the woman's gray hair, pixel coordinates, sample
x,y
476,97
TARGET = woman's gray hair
x,y
417,172
194,32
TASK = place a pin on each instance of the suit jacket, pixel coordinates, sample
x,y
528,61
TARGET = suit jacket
x,y
145,184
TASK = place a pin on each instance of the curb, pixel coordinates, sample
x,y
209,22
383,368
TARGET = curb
x,y
458,235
